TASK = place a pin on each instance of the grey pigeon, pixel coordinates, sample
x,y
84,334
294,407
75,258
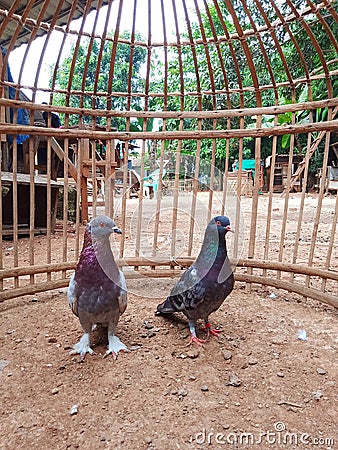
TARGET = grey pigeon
x,y
97,290
205,285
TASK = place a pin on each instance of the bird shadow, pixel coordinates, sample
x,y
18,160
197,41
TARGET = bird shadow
x,y
175,319
99,335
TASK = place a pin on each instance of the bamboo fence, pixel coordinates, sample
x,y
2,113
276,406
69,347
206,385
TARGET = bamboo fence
x,y
283,240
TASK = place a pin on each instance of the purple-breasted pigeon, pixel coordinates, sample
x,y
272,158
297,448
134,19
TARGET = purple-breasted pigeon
x,y
205,285
97,290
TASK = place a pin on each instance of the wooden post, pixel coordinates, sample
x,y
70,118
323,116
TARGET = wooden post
x,y
2,108
84,151
109,174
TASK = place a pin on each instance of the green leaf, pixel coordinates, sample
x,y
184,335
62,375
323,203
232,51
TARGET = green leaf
x,y
285,141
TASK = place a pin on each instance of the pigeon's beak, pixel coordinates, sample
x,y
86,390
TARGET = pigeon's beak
x,y
117,230
228,228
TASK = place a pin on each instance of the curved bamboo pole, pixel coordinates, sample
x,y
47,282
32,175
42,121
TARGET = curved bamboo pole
x,y
219,54
261,43
233,54
329,125
239,277
183,262
316,45
182,114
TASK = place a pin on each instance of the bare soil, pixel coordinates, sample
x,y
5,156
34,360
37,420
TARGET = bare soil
x,y
257,386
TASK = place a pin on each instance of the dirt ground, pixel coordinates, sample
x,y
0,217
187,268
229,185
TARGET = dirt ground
x,y
257,386
163,394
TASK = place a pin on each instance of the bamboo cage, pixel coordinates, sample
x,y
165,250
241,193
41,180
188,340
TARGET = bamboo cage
x,y
189,84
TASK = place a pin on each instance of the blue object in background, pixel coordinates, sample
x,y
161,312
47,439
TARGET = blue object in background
x,y
152,180
22,114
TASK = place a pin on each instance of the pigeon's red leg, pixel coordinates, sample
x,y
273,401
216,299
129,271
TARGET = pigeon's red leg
x,y
193,338
209,330
196,340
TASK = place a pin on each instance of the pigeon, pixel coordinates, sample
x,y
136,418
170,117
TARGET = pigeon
x,y
97,291
206,284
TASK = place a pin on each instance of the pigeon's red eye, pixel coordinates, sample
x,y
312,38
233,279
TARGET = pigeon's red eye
x,y
218,223
101,225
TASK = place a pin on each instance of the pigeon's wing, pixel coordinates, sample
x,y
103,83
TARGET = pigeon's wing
x,y
188,292
71,294
122,298
189,279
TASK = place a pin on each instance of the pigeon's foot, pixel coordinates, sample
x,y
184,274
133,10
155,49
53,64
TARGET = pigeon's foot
x,y
82,347
115,346
215,331
209,330
195,340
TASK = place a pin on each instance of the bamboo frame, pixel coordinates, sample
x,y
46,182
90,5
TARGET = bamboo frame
x,y
165,114
330,125
263,253
180,262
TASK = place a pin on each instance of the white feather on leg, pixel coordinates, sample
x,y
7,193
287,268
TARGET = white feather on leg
x,y
83,346
115,346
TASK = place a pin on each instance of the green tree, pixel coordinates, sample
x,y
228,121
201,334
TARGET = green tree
x,y
90,83
296,56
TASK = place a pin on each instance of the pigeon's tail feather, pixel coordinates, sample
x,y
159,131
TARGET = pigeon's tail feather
x,y
166,307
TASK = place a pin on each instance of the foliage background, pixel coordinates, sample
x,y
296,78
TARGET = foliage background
x,y
228,73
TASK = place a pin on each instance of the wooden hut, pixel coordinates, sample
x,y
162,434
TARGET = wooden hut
x,y
283,167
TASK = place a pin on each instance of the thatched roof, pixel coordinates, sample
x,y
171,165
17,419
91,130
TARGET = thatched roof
x,y
53,12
